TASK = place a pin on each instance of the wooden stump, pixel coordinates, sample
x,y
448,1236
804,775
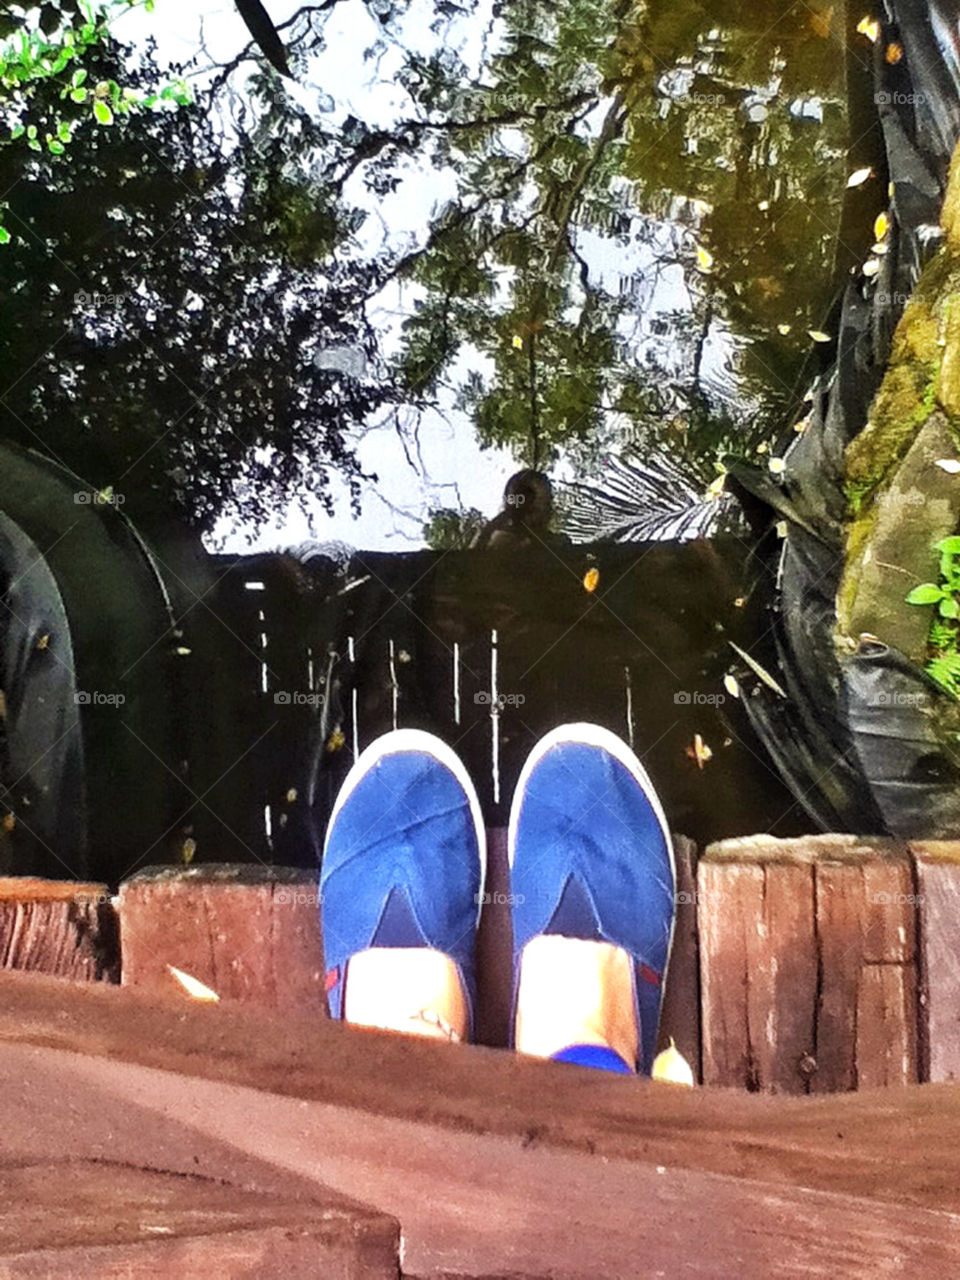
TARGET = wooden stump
x,y
938,891
247,933
60,927
808,964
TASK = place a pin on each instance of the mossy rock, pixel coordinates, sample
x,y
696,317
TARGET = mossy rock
x,y
924,367
891,546
901,502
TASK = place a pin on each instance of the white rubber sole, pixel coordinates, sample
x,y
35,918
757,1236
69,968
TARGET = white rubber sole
x,y
399,741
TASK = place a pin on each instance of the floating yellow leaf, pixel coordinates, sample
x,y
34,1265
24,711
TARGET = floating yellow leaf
x,y
187,850
871,267
881,226
762,447
291,795
193,986
43,641
699,752
893,54
859,177
763,206
880,248
783,329
336,740
819,336
9,822
704,258
950,465
517,341
715,487
590,579
672,1066
870,28
731,686
777,466
781,528
802,425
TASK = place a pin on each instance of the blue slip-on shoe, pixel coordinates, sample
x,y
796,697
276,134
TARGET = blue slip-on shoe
x,y
591,857
404,859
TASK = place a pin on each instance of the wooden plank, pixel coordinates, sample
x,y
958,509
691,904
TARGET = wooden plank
x,y
840,912
471,1203
250,934
773,1147
91,1219
60,927
867,1012
887,1026
729,903
937,864
758,974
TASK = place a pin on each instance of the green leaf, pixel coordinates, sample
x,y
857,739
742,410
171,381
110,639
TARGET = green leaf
x,y
78,77
949,608
79,95
55,146
4,235
17,132
103,113
951,545
926,593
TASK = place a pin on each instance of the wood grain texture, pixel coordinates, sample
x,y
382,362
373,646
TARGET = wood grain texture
x,y
937,865
492,1163
250,934
808,964
64,928
758,974
87,1220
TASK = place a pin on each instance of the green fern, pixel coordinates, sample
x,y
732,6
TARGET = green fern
x,y
945,670
943,635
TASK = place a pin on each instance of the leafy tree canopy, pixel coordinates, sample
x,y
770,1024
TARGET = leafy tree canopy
x,y
166,301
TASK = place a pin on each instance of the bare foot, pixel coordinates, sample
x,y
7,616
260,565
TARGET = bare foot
x,y
573,991
412,989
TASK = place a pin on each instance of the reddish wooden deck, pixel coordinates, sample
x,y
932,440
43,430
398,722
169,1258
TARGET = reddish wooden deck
x,y
493,1165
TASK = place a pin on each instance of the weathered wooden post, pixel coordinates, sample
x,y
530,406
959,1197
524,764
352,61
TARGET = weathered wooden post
x,y
938,892
246,933
808,964
59,927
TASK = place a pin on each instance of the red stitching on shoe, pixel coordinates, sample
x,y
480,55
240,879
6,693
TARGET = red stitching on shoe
x,y
648,974
333,977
